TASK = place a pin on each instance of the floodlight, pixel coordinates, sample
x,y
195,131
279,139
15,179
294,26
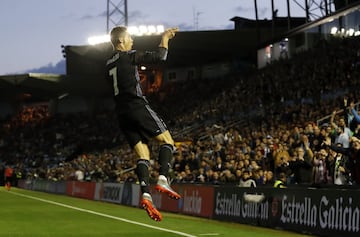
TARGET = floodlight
x,y
143,30
160,29
98,39
133,30
350,32
333,30
151,30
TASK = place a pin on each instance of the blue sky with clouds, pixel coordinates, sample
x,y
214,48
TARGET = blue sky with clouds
x,y
32,31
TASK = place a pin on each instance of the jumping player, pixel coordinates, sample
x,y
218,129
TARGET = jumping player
x,y
137,120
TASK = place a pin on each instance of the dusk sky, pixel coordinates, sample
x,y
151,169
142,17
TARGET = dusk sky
x,y
32,31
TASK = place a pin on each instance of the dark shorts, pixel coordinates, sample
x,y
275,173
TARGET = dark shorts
x,y
141,124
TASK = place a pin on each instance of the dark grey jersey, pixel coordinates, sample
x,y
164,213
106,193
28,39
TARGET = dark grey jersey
x,y
122,73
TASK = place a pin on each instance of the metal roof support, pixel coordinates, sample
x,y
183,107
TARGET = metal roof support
x,y
117,14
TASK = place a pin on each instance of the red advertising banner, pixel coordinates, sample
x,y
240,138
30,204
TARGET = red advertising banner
x,y
81,189
196,200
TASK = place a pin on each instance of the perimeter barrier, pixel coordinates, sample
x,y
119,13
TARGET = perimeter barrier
x,y
317,211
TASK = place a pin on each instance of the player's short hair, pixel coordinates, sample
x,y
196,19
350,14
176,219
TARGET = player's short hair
x,y
116,33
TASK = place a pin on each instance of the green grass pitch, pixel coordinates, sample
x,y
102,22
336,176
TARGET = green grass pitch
x,y
35,214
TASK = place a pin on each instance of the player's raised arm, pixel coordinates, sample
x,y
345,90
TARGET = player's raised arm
x,y
167,35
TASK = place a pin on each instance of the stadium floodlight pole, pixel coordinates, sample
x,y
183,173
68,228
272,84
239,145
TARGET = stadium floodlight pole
x,y
107,16
307,11
117,13
257,22
326,8
288,13
273,19
126,12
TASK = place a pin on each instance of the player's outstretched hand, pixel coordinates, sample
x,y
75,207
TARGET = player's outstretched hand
x,y
170,32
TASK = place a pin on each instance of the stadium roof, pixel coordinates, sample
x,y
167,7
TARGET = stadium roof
x,y
35,85
86,63
189,48
43,87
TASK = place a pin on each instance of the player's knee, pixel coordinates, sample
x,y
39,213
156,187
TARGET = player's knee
x,y
165,138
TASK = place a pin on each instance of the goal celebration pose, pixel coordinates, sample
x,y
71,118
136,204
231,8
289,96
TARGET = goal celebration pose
x,y
137,120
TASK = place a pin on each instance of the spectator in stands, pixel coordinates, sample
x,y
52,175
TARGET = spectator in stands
x,y
339,166
268,161
320,168
179,162
201,176
317,139
238,175
326,131
258,176
79,174
219,164
192,161
342,133
269,178
232,136
190,175
219,151
283,167
247,180
280,181
356,119
180,177
27,137
281,155
219,136
213,177
301,166
353,154
226,176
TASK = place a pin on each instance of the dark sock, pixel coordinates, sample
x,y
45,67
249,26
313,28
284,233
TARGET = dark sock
x,y
142,171
165,157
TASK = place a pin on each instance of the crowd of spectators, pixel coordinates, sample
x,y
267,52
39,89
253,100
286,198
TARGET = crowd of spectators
x,y
256,127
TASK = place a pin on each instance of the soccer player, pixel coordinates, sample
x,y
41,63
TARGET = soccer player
x,y
8,177
137,120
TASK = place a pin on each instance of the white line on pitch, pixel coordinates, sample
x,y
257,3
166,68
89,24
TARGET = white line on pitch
x,y
207,234
104,215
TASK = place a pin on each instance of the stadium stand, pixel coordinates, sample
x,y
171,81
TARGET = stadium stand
x,y
223,127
